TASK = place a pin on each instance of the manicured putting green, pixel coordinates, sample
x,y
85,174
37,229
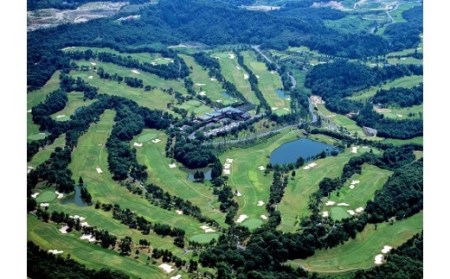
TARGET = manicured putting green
x,y
339,213
46,196
204,238
146,137
252,224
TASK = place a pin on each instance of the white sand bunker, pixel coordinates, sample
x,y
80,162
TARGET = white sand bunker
x,y
200,84
93,63
229,161
330,203
166,267
226,172
55,252
386,249
153,63
359,209
246,76
172,166
29,111
85,224
239,68
59,195
399,115
325,214
88,237
138,144
355,182
286,109
76,217
207,229
135,72
63,230
99,170
156,140
203,93
273,72
179,212
260,203
261,168
274,108
257,76
355,149
213,79
44,204
379,259
312,165
217,57
264,217
343,204
219,101
60,116
238,194
231,55
35,195
176,277
351,212
352,187
241,218
90,77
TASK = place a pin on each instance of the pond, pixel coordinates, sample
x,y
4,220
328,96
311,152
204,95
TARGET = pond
x,y
191,172
282,94
74,198
289,152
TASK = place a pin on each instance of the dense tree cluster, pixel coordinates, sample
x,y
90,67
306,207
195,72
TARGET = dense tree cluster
x,y
398,96
192,154
69,84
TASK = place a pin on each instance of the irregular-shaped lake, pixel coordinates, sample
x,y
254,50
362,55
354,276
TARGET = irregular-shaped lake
x,y
305,148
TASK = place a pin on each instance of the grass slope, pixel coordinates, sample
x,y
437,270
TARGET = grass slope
x,y
359,253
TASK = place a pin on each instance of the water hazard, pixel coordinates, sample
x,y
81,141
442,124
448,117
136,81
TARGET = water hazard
x,y
305,148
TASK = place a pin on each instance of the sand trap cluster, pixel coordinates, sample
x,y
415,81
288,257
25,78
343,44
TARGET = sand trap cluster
x,y
351,212
264,217
203,93
93,63
227,166
343,204
135,72
172,166
231,55
35,195
166,267
85,224
330,203
353,184
138,144
379,259
60,116
355,149
63,230
44,204
99,170
260,203
386,249
312,165
238,194
241,218
200,84
325,214
207,229
59,195
179,212
359,209
76,217
156,140
88,237
176,277
261,168
55,252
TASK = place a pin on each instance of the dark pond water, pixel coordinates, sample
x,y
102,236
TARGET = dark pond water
x,y
191,172
305,148
282,94
75,198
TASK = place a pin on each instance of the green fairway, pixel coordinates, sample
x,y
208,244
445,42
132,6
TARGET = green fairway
x,y
403,113
147,57
196,107
203,83
75,101
149,135
247,179
252,224
268,83
406,82
46,196
174,180
235,74
37,136
47,237
44,154
91,154
371,180
359,253
294,204
147,78
416,140
405,60
204,238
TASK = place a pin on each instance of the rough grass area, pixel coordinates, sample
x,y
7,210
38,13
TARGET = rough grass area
x,y
75,101
196,107
44,154
404,113
204,238
359,253
416,140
